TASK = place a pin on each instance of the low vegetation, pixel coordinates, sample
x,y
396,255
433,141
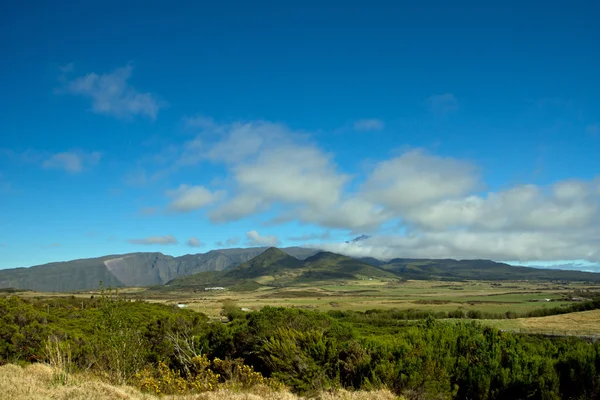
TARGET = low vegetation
x,y
37,382
164,350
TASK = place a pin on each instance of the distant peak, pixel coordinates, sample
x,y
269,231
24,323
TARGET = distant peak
x,y
274,250
322,255
358,239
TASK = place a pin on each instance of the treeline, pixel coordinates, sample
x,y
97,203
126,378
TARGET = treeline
x,y
164,349
380,317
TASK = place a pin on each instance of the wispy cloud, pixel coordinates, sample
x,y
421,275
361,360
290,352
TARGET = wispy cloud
x,y
72,162
188,198
233,241
255,239
161,240
442,104
194,242
111,94
368,125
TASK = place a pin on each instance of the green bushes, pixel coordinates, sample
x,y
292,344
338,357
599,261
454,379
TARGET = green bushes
x,y
167,350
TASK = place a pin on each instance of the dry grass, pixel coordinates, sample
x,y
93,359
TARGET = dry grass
x,y
38,382
585,322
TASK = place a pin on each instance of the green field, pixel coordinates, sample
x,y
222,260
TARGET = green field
x,y
413,295
362,295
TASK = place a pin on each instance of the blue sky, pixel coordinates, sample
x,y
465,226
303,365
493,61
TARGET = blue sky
x,y
443,129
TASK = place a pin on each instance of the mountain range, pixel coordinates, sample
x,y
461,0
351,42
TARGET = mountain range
x,y
248,268
276,268
134,269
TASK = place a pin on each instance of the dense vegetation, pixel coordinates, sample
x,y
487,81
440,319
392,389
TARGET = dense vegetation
x,y
164,349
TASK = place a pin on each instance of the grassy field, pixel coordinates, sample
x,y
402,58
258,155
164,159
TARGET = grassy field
x,y
371,294
362,295
585,323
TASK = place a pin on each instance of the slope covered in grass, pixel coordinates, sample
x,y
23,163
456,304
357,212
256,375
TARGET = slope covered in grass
x,y
276,268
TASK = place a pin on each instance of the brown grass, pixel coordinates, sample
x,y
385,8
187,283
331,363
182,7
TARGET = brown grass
x,y
38,382
584,322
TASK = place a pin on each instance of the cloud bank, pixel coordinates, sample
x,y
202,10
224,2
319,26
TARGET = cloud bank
x,y
414,203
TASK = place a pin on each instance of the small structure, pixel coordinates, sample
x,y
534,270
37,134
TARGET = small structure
x,y
214,288
181,305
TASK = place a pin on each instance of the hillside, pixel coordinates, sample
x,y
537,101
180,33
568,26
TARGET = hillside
x,y
448,269
275,268
61,276
134,269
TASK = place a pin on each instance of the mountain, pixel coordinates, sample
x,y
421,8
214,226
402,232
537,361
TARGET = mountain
x,y
275,268
448,269
358,239
299,266
134,269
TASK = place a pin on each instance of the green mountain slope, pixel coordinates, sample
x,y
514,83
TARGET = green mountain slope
x,y
275,268
134,269
448,269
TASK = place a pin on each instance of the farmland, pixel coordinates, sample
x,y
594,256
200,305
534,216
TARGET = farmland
x,y
429,296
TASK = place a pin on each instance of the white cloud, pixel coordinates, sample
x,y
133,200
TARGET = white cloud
x,y
255,239
431,206
194,242
355,214
416,177
442,104
188,198
368,125
161,240
237,208
111,94
292,174
497,245
72,162
567,205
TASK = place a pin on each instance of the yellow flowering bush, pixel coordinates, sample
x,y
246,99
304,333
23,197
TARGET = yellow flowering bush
x,y
204,376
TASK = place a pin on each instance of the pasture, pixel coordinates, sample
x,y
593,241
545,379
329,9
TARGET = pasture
x,y
412,295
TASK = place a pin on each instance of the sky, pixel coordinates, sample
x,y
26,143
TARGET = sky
x,y
461,129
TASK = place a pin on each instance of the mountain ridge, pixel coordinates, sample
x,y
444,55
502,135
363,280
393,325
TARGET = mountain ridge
x,y
129,269
155,268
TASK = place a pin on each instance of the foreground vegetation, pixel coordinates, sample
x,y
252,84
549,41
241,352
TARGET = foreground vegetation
x,y
37,382
165,350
